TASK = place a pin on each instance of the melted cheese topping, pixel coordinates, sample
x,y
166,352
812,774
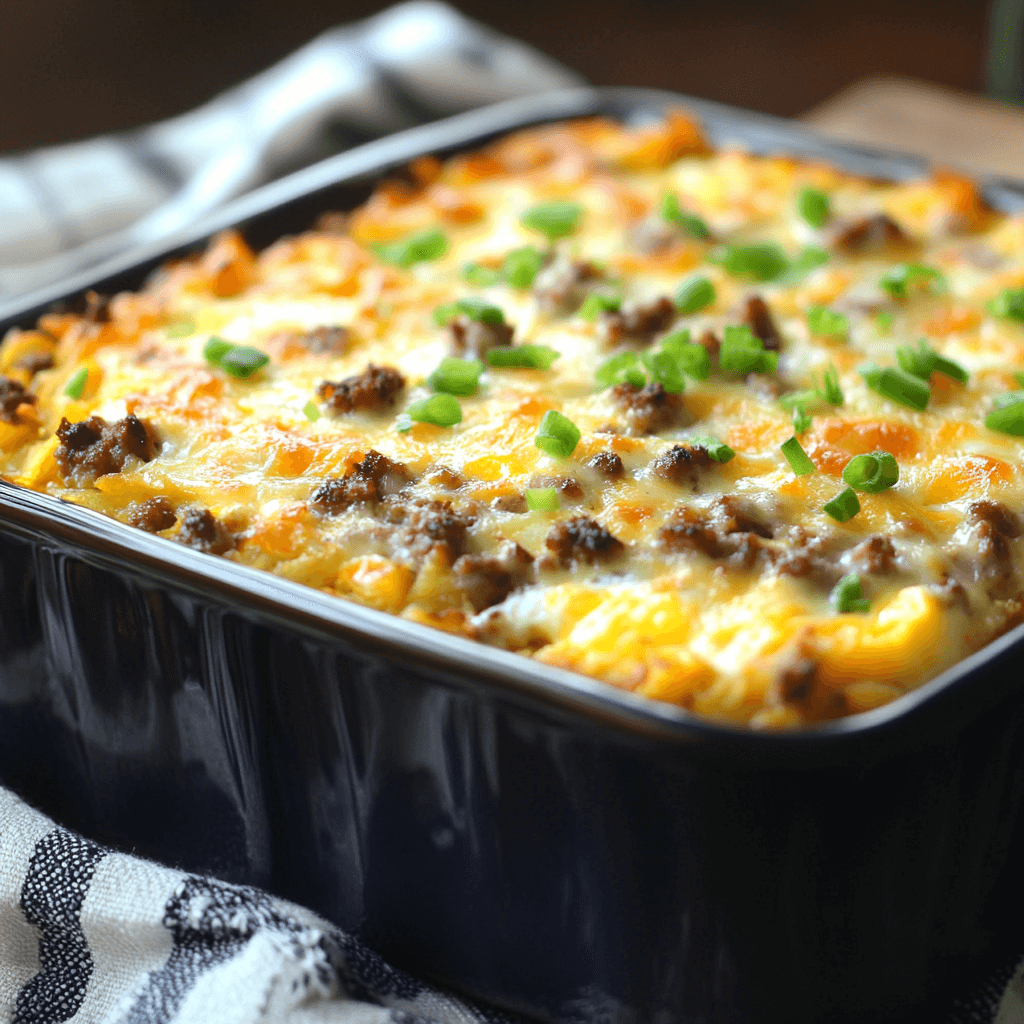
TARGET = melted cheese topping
x,y
727,613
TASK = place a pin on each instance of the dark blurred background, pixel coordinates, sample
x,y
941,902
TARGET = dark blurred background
x,y
74,68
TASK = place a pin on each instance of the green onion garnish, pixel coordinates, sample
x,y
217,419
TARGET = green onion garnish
x,y
843,506
76,385
1009,304
763,261
898,280
695,294
312,411
598,303
457,376
798,459
521,266
558,435
672,212
884,321
242,361
829,388
665,370
482,277
1007,415
893,383
441,410
1019,378
691,358
924,360
742,352
801,420
813,206
846,595
475,309
555,219
809,258
542,499
522,357
619,369
717,450
419,247
827,323
872,473
216,348
181,329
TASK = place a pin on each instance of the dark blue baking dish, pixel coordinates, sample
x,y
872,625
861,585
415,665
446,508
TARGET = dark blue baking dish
x,y
528,836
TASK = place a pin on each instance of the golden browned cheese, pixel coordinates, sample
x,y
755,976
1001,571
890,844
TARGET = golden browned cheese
x,y
673,550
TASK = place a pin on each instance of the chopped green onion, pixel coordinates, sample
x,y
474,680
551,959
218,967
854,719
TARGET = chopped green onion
x,y
813,206
924,360
743,353
897,385
621,368
1007,415
457,376
691,358
312,411
598,303
475,309
830,390
695,294
441,410
898,280
480,276
521,266
1019,378
809,258
181,329
419,247
555,219
522,357
884,321
542,499
827,323
847,597
216,349
798,399
717,450
798,459
763,261
872,473
843,506
666,371
1009,304
672,212
76,385
243,361
801,420
558,435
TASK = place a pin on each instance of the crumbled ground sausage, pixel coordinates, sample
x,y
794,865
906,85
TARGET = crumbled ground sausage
x,y
201,530
716,533
13,394
990,526
875,556
758,317
867,235
426,525
568,487
443,476
153,515
510,503
92,449
710,342
562,287
487,580
326,340
682,465
648,409
374,390
34,362
473,339
638,323
799,683
608,464
370,480
582,540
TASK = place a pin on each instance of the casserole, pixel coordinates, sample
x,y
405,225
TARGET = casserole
x,y
521,833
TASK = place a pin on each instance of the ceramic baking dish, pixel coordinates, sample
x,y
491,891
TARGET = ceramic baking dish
x,y
532,837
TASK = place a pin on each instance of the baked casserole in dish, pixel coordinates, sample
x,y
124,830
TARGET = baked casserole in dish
x,y
739,432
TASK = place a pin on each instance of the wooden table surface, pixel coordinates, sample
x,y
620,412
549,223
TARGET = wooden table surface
x,y
953,128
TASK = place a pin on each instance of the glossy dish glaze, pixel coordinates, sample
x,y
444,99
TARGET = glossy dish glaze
x,y
736,431
548,843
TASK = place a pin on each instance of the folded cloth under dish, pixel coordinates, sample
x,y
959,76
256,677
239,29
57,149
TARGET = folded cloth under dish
x,y
65,208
